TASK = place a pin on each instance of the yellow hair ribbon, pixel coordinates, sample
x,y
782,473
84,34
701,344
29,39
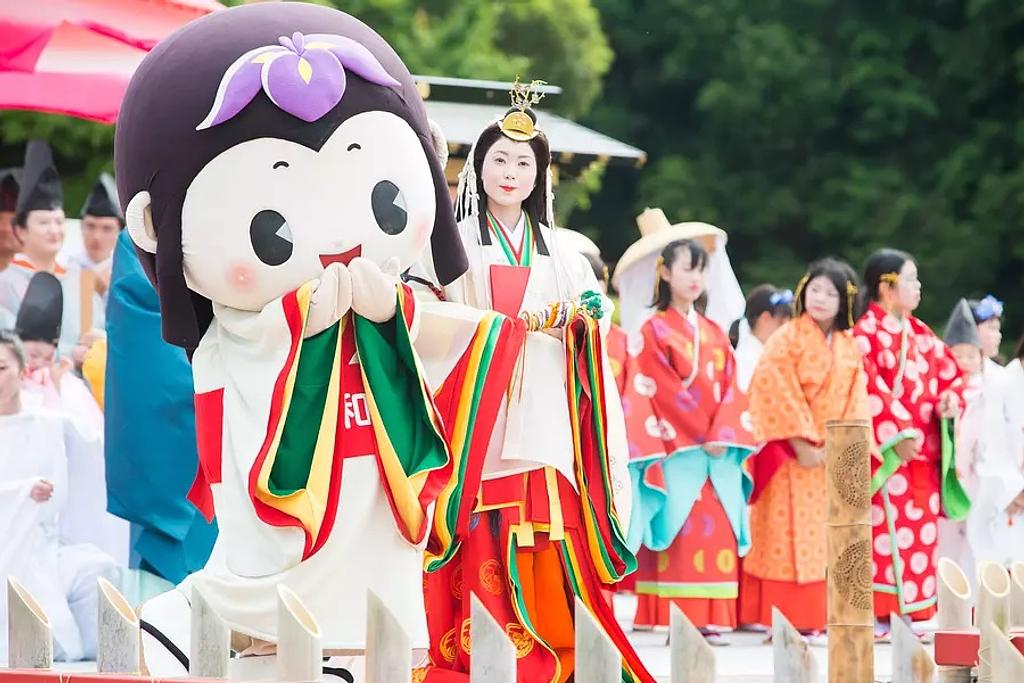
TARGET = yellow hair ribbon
x,y
798,304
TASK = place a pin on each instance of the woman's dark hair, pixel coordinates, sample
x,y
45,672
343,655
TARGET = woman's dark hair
x,y
669,255
11,340
536,204
844,279
1018,352
765,298
172,91
883,262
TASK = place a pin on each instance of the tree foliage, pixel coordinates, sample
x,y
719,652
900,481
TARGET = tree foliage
x,y
560,41
813,127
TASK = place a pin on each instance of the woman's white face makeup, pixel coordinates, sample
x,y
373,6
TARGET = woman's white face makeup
x,y
822,300
509,172
268,215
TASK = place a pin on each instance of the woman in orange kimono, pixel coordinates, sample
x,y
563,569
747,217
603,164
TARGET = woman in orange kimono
x,y
689,435
810,373
913,384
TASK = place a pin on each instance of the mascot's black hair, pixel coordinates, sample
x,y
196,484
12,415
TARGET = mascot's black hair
x,y
158,149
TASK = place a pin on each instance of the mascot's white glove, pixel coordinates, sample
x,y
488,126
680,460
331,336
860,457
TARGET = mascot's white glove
x,y
331,299
373,288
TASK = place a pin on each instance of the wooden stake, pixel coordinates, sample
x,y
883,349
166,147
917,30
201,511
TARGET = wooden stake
x,y
911,663
1004,661
848,534
692,659
993,610
210,646
597,660
299,654
954,594
493,659
29,633
793,659
86,291
388,652
1017,595
117,635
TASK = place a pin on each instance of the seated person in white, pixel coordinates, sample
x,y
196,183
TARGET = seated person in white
x,y
35,446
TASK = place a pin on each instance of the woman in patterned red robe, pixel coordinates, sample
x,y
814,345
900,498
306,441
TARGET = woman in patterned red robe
x,y
688,435
913,382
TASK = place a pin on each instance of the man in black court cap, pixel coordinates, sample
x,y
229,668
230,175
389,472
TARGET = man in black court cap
x,y
9,244
102,221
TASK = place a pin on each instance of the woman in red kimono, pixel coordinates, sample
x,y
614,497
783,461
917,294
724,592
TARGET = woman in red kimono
x,y
913,382
689,434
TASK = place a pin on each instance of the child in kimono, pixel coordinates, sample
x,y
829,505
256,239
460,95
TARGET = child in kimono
x,y
810,373
689,435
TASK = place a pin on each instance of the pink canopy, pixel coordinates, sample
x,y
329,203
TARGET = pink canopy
x,y
75,57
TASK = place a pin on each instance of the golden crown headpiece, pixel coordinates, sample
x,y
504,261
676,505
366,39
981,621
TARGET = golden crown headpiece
x,y
518,125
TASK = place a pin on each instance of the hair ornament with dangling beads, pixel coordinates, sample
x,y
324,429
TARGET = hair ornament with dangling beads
x,y
519,125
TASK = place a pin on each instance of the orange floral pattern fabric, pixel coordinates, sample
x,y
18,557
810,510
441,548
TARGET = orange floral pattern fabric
x,y
802,381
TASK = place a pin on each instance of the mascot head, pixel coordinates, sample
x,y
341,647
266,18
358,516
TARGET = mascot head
x,y
259,144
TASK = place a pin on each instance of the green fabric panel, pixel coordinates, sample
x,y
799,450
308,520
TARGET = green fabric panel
x,y
305,411
386,355
955,501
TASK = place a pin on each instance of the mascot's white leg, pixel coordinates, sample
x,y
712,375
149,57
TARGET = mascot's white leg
x,y
166,628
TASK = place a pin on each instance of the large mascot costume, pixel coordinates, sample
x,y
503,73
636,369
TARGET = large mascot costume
x,y
279,172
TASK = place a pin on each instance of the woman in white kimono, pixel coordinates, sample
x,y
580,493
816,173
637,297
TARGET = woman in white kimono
x,y
529,516
35,447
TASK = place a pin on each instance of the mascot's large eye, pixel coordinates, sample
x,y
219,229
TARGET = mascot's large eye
x,y
271,237
389,209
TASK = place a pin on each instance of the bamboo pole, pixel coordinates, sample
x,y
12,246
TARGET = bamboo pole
x,y
911,663
29,633
210,640
1017,595
597,659
1003,661
848,534
494,656
792,657
117,636
993,609
692,659
388,652
299,655
955,600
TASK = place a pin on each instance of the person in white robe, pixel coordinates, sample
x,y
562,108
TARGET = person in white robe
x,y
767,309
992,528
35,447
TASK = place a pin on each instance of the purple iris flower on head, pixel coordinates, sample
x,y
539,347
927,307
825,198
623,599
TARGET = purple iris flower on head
x,y
304,76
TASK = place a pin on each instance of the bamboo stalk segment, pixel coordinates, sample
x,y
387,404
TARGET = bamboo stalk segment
x,y
692,659
597,659
299,654
911,663
29,633
848,535
493,658
1017,595
793,660
1003,662
955,599
388,651
210,642
993,610
117,637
